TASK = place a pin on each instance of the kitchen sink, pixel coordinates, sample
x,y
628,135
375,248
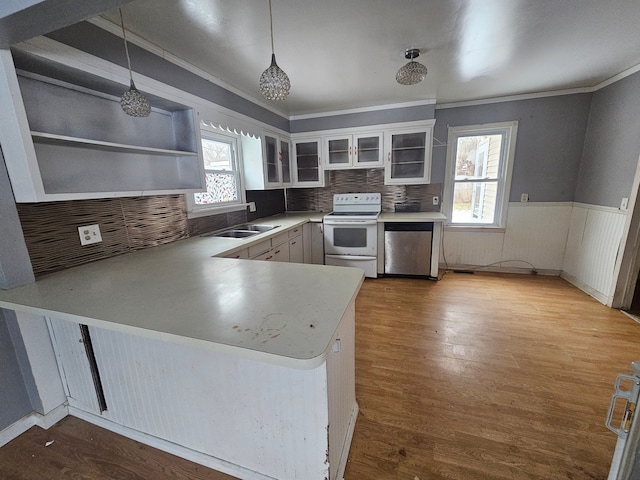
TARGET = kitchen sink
x,y
255,228
233,234
242,231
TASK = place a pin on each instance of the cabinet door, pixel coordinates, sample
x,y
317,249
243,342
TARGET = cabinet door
x,y
338,152
296,250
272,160
281,252
408,156
367,150
285,161
308,169
75,367
317,243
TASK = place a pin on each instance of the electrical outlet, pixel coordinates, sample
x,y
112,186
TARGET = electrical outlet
x,y
89,234
624,203
436,200
524,198
252,206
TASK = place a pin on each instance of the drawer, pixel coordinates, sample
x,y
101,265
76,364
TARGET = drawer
x,y
259,248
279,239
239,254
294,232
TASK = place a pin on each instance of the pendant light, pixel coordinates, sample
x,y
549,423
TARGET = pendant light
x,y
413,72
133,102
274,83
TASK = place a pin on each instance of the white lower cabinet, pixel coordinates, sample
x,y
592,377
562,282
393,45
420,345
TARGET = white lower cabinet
x,y
296,250
313,243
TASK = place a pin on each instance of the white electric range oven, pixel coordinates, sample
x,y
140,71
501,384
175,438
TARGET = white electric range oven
x,y
351,232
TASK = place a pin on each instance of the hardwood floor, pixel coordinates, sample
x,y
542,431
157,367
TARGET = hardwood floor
x,y
479,376
485,377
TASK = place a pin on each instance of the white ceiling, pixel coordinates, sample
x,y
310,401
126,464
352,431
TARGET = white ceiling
x,y
344,54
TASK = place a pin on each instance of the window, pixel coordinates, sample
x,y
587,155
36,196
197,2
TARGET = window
x,y
222,173
478,173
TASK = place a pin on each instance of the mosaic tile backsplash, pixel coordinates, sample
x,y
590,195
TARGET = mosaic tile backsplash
x,y
362,181
134,223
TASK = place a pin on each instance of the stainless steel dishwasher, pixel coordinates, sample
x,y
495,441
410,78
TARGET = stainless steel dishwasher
x,y
407,248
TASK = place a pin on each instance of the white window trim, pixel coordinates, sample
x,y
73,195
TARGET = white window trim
x,y
195,211
500,220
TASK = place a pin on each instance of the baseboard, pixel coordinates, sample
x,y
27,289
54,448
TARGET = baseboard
x,y
33,419
601,297
344,455
169,447
498,269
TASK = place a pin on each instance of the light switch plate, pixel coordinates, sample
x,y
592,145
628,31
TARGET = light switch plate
x,y
624,203
89,234
524,198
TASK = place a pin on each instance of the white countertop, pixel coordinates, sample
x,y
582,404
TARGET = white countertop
x,y
412,217
285,221
284,313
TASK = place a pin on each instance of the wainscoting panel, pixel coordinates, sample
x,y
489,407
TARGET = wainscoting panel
x,y
592,248
537,234
535,237
462,249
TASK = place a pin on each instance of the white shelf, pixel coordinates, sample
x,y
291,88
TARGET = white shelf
x,y
55,139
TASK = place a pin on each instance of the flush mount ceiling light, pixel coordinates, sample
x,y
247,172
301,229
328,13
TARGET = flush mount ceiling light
x,y
133,102
274,83
413,72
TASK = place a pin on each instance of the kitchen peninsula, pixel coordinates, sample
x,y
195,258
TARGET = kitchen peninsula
x,y
244,366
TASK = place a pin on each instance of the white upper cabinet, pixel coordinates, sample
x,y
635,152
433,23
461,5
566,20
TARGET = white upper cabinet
x,y
63,141
267,162
353,150
307,162
408,154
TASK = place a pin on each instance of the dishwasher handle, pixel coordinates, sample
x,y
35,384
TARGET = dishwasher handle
x,y
408,226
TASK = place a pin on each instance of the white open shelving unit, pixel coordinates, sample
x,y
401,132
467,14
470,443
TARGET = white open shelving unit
x,y
70,139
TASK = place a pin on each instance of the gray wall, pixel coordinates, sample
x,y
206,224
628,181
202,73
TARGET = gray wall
x,y
360,119
15,269
13,392
15,266
548,148
96,41
612,144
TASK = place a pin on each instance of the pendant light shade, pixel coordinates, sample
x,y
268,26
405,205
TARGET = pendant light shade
x,y
413,72
274,83
133,102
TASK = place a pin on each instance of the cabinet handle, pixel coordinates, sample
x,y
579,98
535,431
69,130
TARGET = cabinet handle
x,y
293,243
269,257
355,151
389,157
277,252
349,150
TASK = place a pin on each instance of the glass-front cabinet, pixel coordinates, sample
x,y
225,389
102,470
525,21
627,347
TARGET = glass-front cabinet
x,y
277,159
361,150
307,162
267,161
408,155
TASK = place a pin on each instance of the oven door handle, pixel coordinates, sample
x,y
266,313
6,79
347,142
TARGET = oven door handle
x,y
363,258
350,222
